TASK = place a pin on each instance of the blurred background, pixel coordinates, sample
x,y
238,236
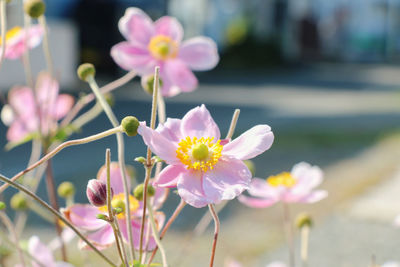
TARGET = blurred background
x,y
323,74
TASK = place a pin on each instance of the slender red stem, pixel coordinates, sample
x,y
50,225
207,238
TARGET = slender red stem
x,y
216,231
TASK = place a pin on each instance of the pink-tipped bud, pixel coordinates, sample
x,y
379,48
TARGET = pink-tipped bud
x,y
96,192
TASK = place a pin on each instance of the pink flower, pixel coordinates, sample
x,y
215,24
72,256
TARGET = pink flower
x,y
204,168
99,232
160,44
43,254
296,186
15,40
32,111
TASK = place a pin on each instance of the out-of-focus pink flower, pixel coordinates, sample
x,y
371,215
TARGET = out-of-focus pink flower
x,y
43,254
99,232
15,40
204,168
29,111
396,221
160,44
296,186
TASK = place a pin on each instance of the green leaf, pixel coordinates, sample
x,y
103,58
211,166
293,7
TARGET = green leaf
x,y
29,137
136,263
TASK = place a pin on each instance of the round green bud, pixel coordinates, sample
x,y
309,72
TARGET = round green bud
x,y
34,8
102,217
18,202
139,190
66,189
2,205
130,125
118,204
251,166
147,83
85,71
303,219
110,99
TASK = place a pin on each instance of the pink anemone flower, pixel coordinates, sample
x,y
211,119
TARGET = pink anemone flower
x,y
204,168
15,40
160,44
296,186
30,111
43,255
99,232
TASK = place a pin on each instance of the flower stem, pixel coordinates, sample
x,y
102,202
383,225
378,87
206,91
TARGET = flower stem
x,y
305,232
46,46
289,233
57,214
156,237
7,222
61,147
51,192
177,211
216,231
3,21
25,57
121,250
121,157
90,97
149,164
232,127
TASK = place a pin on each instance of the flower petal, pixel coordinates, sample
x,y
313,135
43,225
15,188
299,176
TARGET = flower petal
x,y
314,196
35,35
17,131
115,176
41,252
308,177
199,123
190,189
22,100
251,143
169,26
46,90
160,145
260,188
176,77
199,53
228,179
133,57
171,130
84,216
256,202
102,238
64,104
136,26
169,176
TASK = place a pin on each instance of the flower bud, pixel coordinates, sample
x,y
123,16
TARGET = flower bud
x,y
102,217
18,202
250,165
147,83
34,8
85,71
139,190
96,192
303,219
130,125
2,205
119,205
66,189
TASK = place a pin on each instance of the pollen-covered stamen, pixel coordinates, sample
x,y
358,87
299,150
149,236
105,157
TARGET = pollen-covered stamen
x,y
283,179
199,153
163,47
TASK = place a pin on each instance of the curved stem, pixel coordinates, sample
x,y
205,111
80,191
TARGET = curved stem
x,y
216,231
156,236
3,21
149,164
121,158
177,211
46,46
61,147
90,97
7,222
57,214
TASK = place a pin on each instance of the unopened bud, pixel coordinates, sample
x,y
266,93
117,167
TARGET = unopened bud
x,y
2,205
85,71
66,189
303,219
130,125
141,159
119,205
147,83
139,190
18,202
96,192
102,217
250,165
34,8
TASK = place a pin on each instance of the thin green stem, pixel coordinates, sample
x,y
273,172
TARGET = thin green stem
x,y
121,158
289,233
57,214
61,147
7,222
304,233
25,57
3,21
156,237
46,46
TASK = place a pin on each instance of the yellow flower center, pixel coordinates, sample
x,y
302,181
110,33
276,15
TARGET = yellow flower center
x,y
283,179
12,33
163,47
199,154
118,201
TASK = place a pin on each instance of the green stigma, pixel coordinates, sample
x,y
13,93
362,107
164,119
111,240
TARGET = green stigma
x,y
200,151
